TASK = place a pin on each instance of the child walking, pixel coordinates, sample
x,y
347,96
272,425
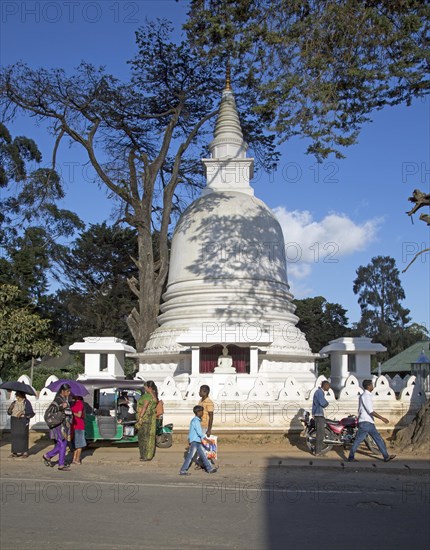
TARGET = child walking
x,y
195,437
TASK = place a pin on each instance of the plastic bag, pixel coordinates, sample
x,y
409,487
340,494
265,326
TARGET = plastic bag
x,y
210,445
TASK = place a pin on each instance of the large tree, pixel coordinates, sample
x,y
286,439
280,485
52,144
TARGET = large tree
x,y
321,321
319,68
141,137
380,294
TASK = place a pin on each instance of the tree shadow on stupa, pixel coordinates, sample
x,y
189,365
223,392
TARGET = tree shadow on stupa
x,y
231,248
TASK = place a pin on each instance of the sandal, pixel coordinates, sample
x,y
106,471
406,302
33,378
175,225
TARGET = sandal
x,y
47,461
24,455
13,455
64,468
77,462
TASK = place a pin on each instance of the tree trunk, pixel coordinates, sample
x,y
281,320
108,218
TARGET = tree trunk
x,y
143,321
416,436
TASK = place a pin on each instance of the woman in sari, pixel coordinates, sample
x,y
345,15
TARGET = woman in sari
x,y
20,412
61,433
146,421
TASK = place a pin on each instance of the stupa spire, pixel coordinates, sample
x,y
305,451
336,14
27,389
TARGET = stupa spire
x,y
228,168
228,135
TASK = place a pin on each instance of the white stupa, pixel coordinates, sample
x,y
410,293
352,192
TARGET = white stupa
x,y
228,285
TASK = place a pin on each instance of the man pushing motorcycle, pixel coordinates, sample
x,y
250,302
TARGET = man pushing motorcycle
x,y
319,403
366,424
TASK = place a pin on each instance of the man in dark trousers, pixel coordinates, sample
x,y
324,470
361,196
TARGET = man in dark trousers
x,y
319,403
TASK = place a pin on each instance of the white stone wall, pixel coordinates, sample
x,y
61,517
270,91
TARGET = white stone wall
x,y
265,406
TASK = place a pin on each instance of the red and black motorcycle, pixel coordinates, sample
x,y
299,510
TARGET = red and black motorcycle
x,y
337,432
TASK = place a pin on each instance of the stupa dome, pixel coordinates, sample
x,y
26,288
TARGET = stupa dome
x,y
227,263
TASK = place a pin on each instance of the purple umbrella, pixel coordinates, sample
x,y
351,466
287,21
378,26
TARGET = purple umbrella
x,y
76,388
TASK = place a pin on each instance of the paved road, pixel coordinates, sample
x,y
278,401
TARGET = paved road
x,y
126,505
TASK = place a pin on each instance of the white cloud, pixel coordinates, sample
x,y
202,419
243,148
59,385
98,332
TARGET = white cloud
x,y
308,241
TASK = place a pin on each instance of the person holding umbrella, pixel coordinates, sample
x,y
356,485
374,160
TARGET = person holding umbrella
x,y
60,433
20,412
76,388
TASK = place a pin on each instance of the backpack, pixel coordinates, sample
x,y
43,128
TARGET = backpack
x,y
54,416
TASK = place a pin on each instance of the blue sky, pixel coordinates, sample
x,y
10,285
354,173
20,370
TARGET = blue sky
x,y
336,216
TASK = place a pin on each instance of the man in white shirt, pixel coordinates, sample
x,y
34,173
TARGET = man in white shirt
x,y
366,424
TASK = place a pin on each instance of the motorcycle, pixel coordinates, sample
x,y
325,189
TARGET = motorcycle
x,y
163,435
336,432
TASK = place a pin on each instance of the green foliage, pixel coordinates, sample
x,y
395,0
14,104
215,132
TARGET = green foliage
x,y
383,318
29,262
22,332
38,191
13,156
380,292
324,367
41,374
321,321
317,69
95,298
130,369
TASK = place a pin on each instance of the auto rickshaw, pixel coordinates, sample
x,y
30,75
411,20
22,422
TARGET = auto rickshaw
x,y
110,412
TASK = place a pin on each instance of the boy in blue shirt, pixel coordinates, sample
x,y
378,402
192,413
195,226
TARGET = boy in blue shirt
x,y
195,437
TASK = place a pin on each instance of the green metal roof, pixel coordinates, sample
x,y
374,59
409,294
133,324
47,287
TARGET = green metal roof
x,y
402,361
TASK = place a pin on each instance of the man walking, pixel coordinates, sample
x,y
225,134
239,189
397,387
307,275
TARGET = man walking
x,y
319,403
208,409
366,424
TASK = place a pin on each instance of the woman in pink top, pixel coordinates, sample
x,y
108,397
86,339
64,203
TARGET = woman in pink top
x,y
78,427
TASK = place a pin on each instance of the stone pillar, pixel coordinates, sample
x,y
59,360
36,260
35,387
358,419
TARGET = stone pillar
x,y
92,365
195,360
339,370
253,360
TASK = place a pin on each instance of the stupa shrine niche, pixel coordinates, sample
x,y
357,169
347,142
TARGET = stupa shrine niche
x,y
228,311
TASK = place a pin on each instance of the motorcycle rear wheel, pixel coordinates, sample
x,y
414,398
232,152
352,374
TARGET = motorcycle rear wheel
x,y
310,441
164,440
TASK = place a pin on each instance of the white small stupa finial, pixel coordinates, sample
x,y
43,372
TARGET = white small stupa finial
x,y
228,78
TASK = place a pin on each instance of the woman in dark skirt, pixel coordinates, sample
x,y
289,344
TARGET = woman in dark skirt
x,y
20,412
